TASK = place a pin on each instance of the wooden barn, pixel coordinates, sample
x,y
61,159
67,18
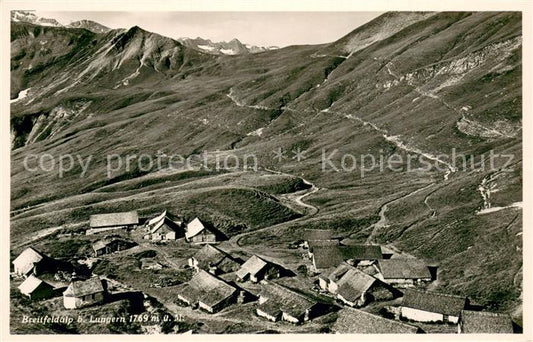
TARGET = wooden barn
x,y
105,222
326,257
316,235
82,293
207,292
329,256
479,322
256,269
363,255
197,232
108,246
354,321
353,287
31,261
423,306
214,260
36,288
277,302
312,244
163,227
403,272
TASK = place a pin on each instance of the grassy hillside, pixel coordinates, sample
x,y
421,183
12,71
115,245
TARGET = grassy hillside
x,y
425,84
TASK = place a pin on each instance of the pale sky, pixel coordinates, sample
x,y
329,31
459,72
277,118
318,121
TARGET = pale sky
x,y
257,28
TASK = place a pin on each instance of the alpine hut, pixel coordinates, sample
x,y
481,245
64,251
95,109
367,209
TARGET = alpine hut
x,y
207,292
105,222
197,232
423,306
214,260
36,288
83,293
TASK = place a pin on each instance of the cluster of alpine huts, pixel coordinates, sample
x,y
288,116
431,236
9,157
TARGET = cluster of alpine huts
x,y
34,266
222,280
357,274
353,275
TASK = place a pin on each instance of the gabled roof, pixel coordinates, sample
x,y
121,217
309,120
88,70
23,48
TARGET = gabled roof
x,y
81,288
163,222
361,252
206,288
334,274
354,283
280,298
478,322
252,266
434,302
321,243
158,218
212,256
165,225
26,260
332,255
194,228
327,256
31,284
318,234
353,321
405,268
114,219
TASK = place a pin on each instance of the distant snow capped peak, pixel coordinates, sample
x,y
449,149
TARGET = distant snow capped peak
x,y
32,18
89,25
233,47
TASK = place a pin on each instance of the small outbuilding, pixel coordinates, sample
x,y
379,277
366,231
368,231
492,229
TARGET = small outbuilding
x,y
479,322
424,306
108,246
197,232
82,293
151,264
36,288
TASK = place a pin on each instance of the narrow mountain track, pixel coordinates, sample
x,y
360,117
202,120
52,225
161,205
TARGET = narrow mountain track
x,y
383,221
297,198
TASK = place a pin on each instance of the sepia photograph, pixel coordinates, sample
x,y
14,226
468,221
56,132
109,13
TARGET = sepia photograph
x,y
263,171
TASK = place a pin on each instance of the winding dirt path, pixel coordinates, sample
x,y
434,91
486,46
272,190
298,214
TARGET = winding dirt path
x,y
296,197
382,223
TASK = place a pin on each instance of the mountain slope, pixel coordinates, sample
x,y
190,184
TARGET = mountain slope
x,y
32,18
424,84
89,25
233,47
